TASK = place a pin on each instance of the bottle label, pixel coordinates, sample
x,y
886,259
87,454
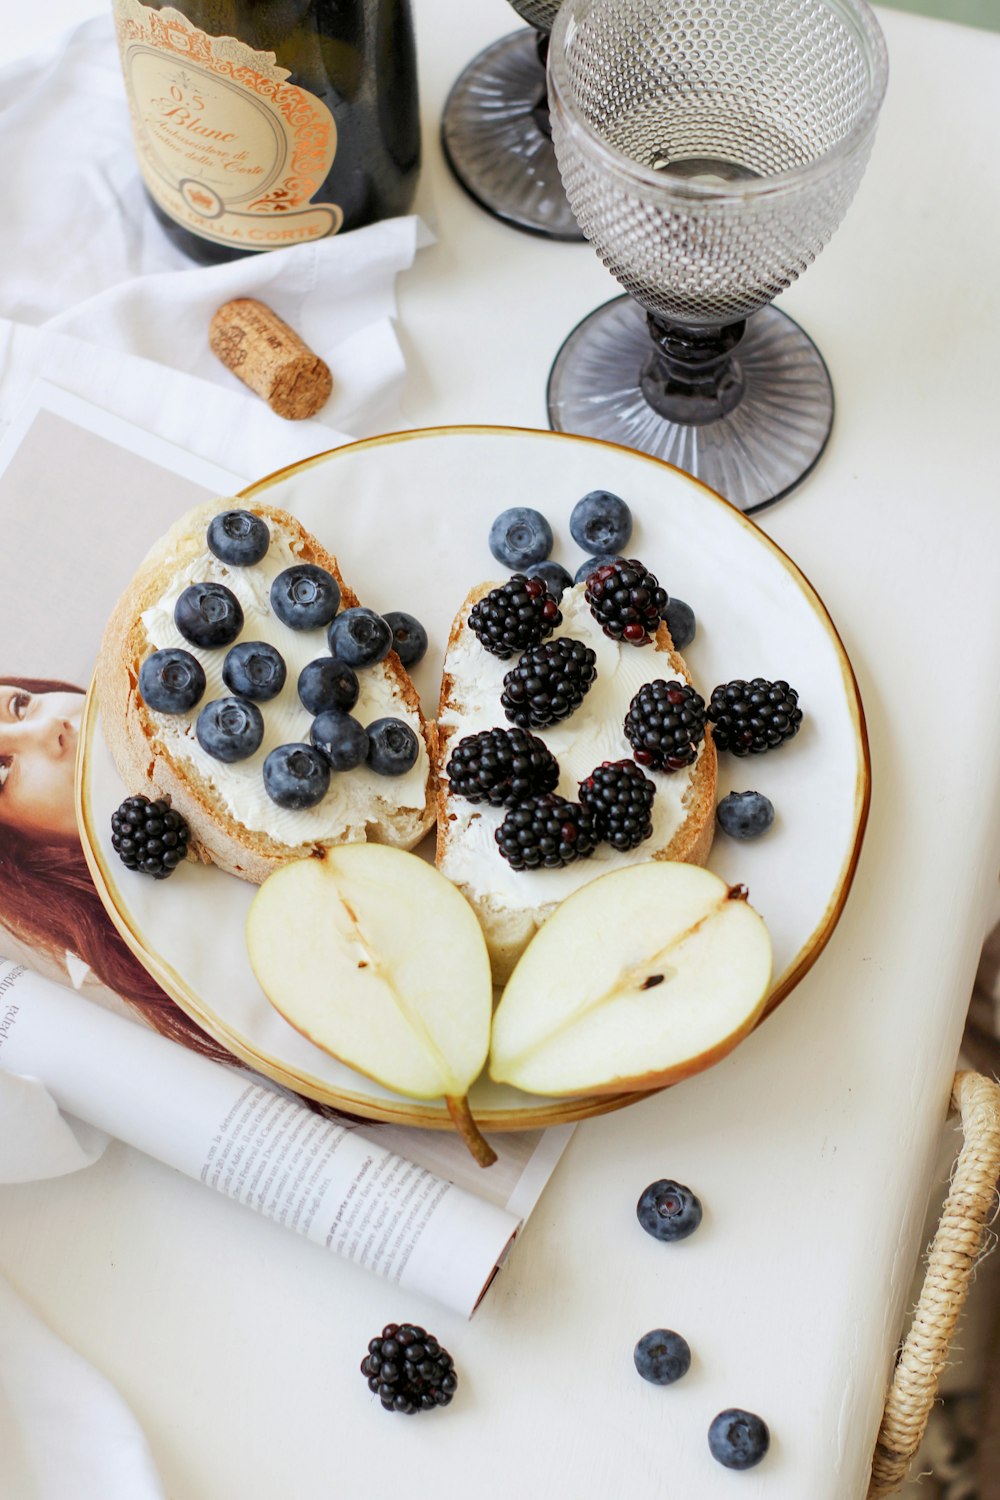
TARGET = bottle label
x,y
226,146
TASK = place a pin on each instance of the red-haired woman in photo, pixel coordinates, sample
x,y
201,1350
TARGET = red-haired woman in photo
x,y
47,898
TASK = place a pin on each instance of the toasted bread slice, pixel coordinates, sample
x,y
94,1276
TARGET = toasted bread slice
x,y
234,824
512,905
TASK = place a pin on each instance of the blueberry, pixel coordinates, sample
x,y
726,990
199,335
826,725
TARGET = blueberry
x,y
555,577
392,747
738,1439
520,536
662,1356
601,523
409,638
255,670
208,614
238,538
360,637
304,596
171,681
328,683
585,569
745,815
668,1211
680,622
296,776
229,729
341,739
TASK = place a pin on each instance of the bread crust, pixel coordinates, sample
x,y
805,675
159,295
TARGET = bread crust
x,y
147,765
507,931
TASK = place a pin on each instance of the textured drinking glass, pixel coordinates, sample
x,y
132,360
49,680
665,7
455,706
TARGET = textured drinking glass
x,y
709,149
496,133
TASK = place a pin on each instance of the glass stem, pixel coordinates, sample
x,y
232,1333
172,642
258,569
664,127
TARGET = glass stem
x,y
540,109
691,375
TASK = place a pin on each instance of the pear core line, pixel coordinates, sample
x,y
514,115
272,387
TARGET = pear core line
x,y
371,961
635,977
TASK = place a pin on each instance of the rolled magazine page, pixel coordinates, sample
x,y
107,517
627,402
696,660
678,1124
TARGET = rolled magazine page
x,y
226,1128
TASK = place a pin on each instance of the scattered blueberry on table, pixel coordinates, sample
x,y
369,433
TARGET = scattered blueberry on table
x,y
520,536
738,1439
668,1211
662,1356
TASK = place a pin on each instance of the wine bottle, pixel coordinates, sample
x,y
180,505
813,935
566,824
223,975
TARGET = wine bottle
x,y
265,123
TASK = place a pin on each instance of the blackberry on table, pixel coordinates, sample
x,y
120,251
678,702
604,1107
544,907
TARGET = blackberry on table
x,y
515,615
549,682
501,767
149,836
546,833
752,717
621,800
665,724
627,601
408,1370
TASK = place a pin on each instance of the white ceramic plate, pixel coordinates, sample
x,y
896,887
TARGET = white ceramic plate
x,y
407,516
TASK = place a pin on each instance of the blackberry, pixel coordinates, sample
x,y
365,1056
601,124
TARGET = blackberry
x,y
665,724
548,683
149,836
752,717
408,1370
545,833
621,800
514,616
626,601
501,767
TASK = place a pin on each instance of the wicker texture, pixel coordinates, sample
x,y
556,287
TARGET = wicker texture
x,y
952,1259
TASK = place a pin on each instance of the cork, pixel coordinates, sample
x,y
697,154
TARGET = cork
x,y
270,358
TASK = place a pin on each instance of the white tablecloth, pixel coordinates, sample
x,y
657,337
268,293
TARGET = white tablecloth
x,y
814,1145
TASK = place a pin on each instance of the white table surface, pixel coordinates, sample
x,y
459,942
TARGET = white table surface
x,y
813,1146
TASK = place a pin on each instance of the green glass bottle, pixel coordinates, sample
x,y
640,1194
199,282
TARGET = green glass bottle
x,y
265,123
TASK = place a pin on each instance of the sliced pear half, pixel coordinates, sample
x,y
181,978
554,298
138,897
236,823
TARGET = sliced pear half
x,y
639,979
378,959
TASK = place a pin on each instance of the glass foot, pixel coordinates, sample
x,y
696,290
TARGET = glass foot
x,y
496,141
753,456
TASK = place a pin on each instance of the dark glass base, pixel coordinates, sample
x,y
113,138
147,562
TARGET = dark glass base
x,y
496,140
752,455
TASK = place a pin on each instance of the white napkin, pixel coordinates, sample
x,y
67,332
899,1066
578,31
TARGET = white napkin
x,y
53,1405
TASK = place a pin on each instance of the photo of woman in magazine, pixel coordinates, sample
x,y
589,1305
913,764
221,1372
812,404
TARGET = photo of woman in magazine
x,y
47,898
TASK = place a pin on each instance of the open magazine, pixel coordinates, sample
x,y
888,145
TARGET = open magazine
x,y
83,496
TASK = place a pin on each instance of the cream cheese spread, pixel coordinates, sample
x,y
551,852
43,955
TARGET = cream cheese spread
x,y
355,798
594,733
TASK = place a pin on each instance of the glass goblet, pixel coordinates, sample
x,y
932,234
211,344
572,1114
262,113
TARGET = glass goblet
x,y
709,150
496,135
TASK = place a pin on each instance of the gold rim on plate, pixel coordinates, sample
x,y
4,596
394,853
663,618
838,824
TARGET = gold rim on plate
x,y
414,1112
